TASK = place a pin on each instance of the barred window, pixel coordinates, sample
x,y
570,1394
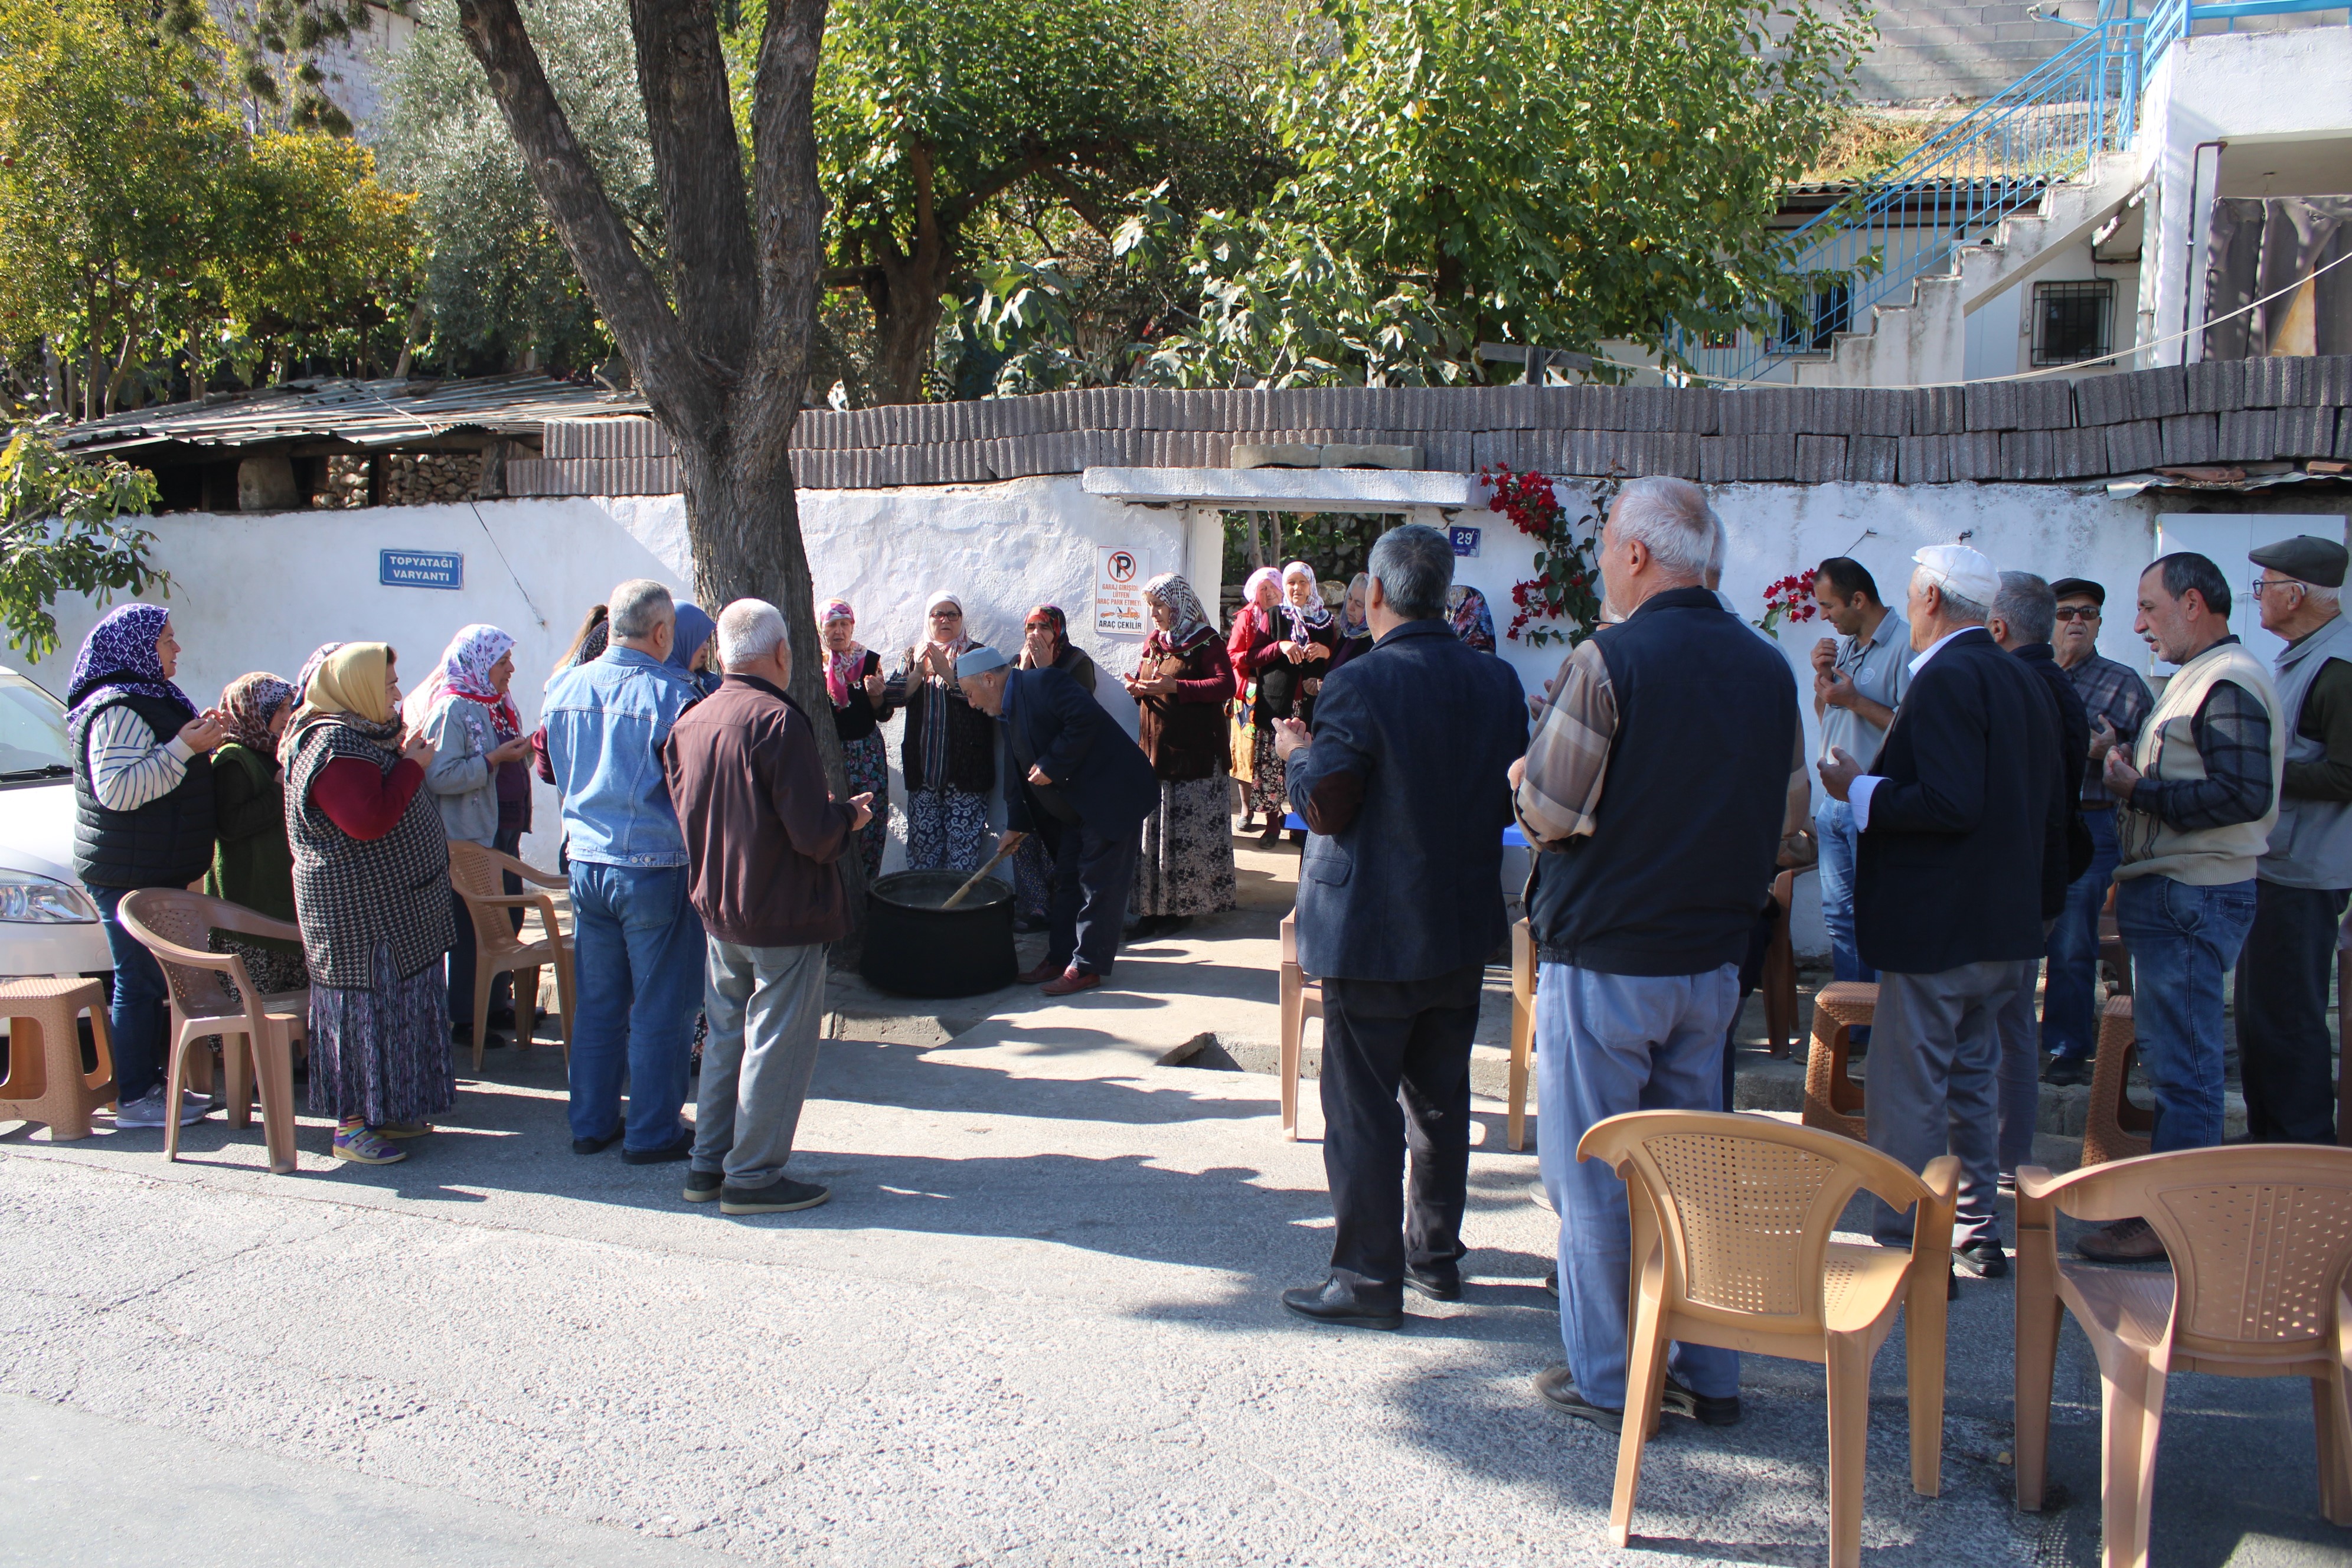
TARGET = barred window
x,y
2072,321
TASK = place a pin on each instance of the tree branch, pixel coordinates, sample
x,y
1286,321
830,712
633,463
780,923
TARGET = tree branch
x,y
699,165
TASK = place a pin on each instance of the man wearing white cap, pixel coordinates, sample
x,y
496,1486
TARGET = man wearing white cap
x,y
1947,889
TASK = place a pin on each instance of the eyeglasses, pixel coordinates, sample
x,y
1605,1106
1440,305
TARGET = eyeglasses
x,y
2078,613
2262,586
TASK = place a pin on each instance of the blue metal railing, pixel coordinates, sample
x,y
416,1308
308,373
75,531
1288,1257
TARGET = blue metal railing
x,y
2169,20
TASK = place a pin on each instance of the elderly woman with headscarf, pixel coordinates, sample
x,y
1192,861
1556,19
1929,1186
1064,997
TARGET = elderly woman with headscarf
x,y
1260,594
372,889
1045,644
1355,625
481,783
949,756
853,681
1293,654
1472,622
252,864
1180,688
145,817
693,652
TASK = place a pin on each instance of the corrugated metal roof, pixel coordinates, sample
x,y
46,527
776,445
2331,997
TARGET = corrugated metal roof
x,y
367,415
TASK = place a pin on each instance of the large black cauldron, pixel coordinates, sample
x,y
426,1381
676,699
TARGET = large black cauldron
x,y
915,948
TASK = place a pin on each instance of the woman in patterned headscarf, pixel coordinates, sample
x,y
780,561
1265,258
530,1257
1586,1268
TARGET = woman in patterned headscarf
x,y
482,782
853,681
371,888
1472,622
1180,687
1293,654
252,864
145,818
1260,594
948,754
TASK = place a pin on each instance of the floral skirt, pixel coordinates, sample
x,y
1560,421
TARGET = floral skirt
x,y
272,968
867,764
1186,866
1033,878
381,1053
1270,792
946,830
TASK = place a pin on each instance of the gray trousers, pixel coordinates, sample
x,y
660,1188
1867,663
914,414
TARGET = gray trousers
x,y
2021,1070
765,1007
1935,1059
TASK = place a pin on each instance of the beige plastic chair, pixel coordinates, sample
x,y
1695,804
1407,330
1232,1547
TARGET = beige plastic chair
x,y
1302,998
474,872
1732,1217
257,1032
2261,1241
2114,1128
1833,1099
46,1082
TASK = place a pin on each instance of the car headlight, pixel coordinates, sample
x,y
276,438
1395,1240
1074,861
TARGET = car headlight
x,y
29,900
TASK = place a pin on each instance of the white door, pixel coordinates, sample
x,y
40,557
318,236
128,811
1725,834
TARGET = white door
x,y
2224,537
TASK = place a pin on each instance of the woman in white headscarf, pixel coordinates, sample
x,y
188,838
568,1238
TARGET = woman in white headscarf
x,y
1180,688
948,754
1293,654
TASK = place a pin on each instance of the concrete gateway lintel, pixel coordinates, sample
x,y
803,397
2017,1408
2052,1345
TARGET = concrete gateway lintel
x,y
1288,490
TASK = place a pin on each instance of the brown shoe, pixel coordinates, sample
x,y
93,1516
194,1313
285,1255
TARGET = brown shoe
x,y
2125,1241
1042,973
1072,979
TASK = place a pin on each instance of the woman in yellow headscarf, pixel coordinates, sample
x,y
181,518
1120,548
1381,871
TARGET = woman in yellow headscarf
x,y
371,895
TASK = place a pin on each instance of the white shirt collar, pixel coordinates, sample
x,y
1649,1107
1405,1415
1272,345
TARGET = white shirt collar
x,y
1920,662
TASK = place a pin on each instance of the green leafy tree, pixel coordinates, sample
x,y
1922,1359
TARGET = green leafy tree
x,y
63,531
1554,171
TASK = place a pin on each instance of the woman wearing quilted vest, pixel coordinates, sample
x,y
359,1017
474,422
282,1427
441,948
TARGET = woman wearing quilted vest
x,y
371,892
143,818
2196,800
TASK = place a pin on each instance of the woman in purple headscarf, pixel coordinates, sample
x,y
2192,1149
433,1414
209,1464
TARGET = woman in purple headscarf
x,y
144,787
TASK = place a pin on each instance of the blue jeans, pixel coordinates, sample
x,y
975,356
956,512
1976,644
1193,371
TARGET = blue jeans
x,y
2183,940
2070,1025
140,1020
637,960
1833,829
1607,1044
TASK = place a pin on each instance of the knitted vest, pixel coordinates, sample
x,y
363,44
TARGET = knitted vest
x,y
168,842
2166,752
352,894
2310,847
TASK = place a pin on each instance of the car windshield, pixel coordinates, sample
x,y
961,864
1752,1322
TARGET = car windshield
x,y
32,743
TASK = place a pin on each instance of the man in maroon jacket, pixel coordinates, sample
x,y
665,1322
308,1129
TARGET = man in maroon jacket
x,y
762,837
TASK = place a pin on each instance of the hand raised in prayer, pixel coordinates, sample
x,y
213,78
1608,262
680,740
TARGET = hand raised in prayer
x,y
1840,770
204,732
2121,776
418,750
873,685
1289,736
863,806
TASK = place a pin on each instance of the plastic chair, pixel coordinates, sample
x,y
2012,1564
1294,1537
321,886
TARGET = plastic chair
x,y
1523,1026
2112,950
1833,1099
257,1032
2114,1128
46,1082
1732,1217
475,874
2261,1241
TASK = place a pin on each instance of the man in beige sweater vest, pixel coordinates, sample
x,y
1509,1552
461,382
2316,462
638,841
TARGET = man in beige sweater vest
x,y
2196,801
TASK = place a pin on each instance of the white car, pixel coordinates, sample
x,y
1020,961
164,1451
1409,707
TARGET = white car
x,y
48,924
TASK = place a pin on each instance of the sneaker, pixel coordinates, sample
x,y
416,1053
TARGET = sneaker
x,y
147,1110
362,1146
2125,1241
781,1196
702,1187
1557,1384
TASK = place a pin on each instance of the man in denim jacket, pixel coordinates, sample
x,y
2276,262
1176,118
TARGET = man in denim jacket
x,y
638,944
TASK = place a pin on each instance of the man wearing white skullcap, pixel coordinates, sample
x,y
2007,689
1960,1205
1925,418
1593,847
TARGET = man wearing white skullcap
x,y
1954,824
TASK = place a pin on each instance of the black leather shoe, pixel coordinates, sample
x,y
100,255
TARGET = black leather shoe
x,y
1557,1384
502,1018
597,1145
1708,1410
781,1196
678,1148
2068,1072
1983,1258
1437,1284
702,1187
1336,1302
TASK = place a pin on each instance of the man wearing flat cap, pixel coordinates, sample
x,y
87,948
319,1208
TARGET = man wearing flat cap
x,y
2117,702
2302,879
1956,816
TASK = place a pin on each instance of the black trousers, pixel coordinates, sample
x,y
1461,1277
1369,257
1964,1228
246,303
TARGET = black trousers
x,y
2283,1044
1086,901
1396,1077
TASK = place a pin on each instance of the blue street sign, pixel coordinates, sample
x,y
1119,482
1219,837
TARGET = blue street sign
x,y
1465,541
420,568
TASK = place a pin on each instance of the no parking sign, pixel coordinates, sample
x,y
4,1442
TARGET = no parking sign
x,y
1121,610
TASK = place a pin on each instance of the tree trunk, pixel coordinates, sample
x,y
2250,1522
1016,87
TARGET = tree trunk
x,y
1257,545
905,303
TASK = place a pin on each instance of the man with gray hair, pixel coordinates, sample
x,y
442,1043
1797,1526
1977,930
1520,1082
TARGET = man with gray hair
x,y
1400,903
765,839
1660,782
637,946
1955,818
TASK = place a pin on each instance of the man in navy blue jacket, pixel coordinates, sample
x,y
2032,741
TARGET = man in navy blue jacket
x,y
1404,785
1080,782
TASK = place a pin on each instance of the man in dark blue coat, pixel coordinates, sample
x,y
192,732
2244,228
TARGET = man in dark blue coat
x,y
1404,787
1080,782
